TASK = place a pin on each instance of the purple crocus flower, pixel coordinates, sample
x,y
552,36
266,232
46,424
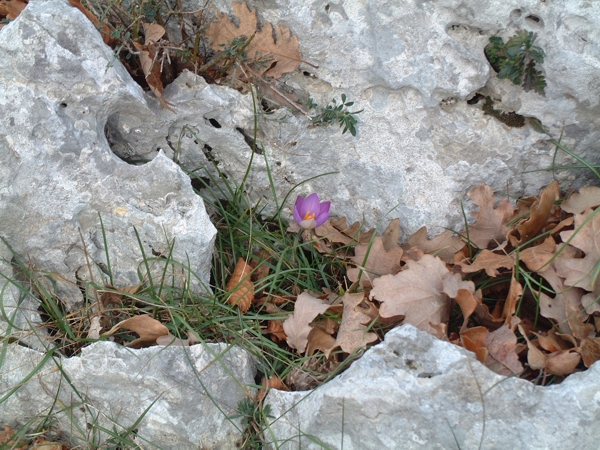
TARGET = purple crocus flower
x,y
310,212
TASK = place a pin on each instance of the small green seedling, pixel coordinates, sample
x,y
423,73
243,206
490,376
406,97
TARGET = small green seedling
x,y
335,112
516,60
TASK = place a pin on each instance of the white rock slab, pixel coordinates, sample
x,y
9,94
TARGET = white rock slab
x,y
414,391
165,397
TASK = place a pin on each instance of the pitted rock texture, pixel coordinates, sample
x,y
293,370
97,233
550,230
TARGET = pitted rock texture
x,y
414,391
63,192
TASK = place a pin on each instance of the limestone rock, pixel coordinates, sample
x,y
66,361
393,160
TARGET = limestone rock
x,y
163,397
59,84
414,391
412,66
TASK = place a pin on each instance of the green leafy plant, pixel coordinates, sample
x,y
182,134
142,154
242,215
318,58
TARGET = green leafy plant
x,y
516,60
335,112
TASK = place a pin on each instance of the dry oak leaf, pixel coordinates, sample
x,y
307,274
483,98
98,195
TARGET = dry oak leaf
x,y
539,212
488,261
151,65
514,295
379,261
496,349
415,293
445,246
491,222
319,339
538,258
590,350
240,286
463,293
105,29
12,8
561,362
146,327
588,197
7,439
338,232
297,326
281,56
579,272
353,333
273,382
565,308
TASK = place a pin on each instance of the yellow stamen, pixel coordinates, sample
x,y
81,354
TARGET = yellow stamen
x,y
309,216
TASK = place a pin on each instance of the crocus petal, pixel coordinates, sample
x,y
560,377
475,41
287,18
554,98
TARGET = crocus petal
x,y
324,214
310,205
297,206
308,224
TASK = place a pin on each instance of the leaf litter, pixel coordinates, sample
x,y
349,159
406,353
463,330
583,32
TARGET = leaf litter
x,y
518,287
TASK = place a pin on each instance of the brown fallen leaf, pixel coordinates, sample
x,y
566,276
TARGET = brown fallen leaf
x,y
496,350
270,57
151,66
12,8
415,293
528,228
353,334
105,30
565,308
378,262
490,262
7,439
320,340
561,362
490,223
146,327
444,246
43,444
297,326
273,382
462,292
587,198
590,351
502,344
537,258
514,295
580,272
240,286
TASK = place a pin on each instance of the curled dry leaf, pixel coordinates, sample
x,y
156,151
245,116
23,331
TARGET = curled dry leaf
x,y
561,362
146,327
105,29
496,350
444,246
565,308
416,294
463,293
353,333
379,261
490,262
12,8
528,228
297,326
514,295
273,382
320,339
95,328
537,258
240,286
588,197
490,222
580,272
150,63
8,440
